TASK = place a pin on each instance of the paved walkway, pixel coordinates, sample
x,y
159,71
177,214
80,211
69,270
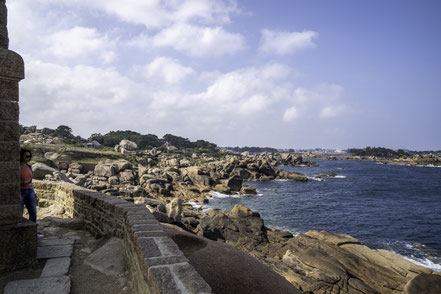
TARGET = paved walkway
x,y
53,278
68,263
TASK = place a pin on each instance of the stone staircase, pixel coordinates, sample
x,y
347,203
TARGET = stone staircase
x,y
54,277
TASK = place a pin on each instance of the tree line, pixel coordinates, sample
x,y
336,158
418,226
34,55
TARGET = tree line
x,y
379,152
149,141
114,137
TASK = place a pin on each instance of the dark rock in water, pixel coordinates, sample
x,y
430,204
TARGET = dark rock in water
x,y
248,190
222,189
267,170
242,211
284,174
234,183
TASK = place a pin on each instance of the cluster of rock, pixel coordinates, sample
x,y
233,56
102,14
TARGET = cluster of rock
x,y
276,159
38,137
321,262
192,178
164,175
416,160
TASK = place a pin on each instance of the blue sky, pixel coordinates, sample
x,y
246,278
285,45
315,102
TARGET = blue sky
x,y
281,73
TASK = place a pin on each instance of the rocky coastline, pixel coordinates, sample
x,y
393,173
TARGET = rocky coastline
x,y
166,182
427,160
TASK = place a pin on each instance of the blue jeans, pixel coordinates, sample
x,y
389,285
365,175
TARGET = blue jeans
x,y
28,199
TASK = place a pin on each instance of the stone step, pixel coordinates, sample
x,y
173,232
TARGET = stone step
x,y
52,285
56,267
54,251
50,242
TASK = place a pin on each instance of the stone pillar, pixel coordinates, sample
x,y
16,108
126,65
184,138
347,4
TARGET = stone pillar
x,y
18,236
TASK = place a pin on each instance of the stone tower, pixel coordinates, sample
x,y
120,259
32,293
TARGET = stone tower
x,y
18,236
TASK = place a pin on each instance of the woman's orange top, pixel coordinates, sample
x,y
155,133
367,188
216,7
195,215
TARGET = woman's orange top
x,y
25,177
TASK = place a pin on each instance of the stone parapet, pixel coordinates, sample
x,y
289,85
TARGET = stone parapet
x,y
4,40
8,90
11,65
156,263
18,237
18,246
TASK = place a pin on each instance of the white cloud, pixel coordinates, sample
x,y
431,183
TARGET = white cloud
x,y
73,76
324,101
80,41
199,41
168,69
255,103
156,14
244,95
283,43
82,96
290,114
328,112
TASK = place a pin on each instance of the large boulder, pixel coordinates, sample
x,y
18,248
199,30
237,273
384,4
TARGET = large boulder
x,y
197,175
51,155
40,170
248,190
106,169
126,176
424,283
234,183
128,145
123,164
284,174
266,169
174,210
75,168
324,262
241,227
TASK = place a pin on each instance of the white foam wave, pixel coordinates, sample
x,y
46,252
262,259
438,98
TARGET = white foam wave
x,y
215,194
419,257
293,231
195,205
281,180
425,262
315,179
340,177
429,165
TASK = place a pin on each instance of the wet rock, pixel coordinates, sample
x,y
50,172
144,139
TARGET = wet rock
x,y
248,190
234,183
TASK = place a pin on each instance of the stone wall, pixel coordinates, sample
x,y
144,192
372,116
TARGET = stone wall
x,y
18,237
156,263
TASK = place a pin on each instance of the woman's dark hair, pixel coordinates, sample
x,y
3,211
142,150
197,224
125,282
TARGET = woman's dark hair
x,y
23,152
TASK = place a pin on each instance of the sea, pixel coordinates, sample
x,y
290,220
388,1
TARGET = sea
x,y
392,207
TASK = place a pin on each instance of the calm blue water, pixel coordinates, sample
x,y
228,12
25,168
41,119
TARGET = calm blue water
x,y
384,206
